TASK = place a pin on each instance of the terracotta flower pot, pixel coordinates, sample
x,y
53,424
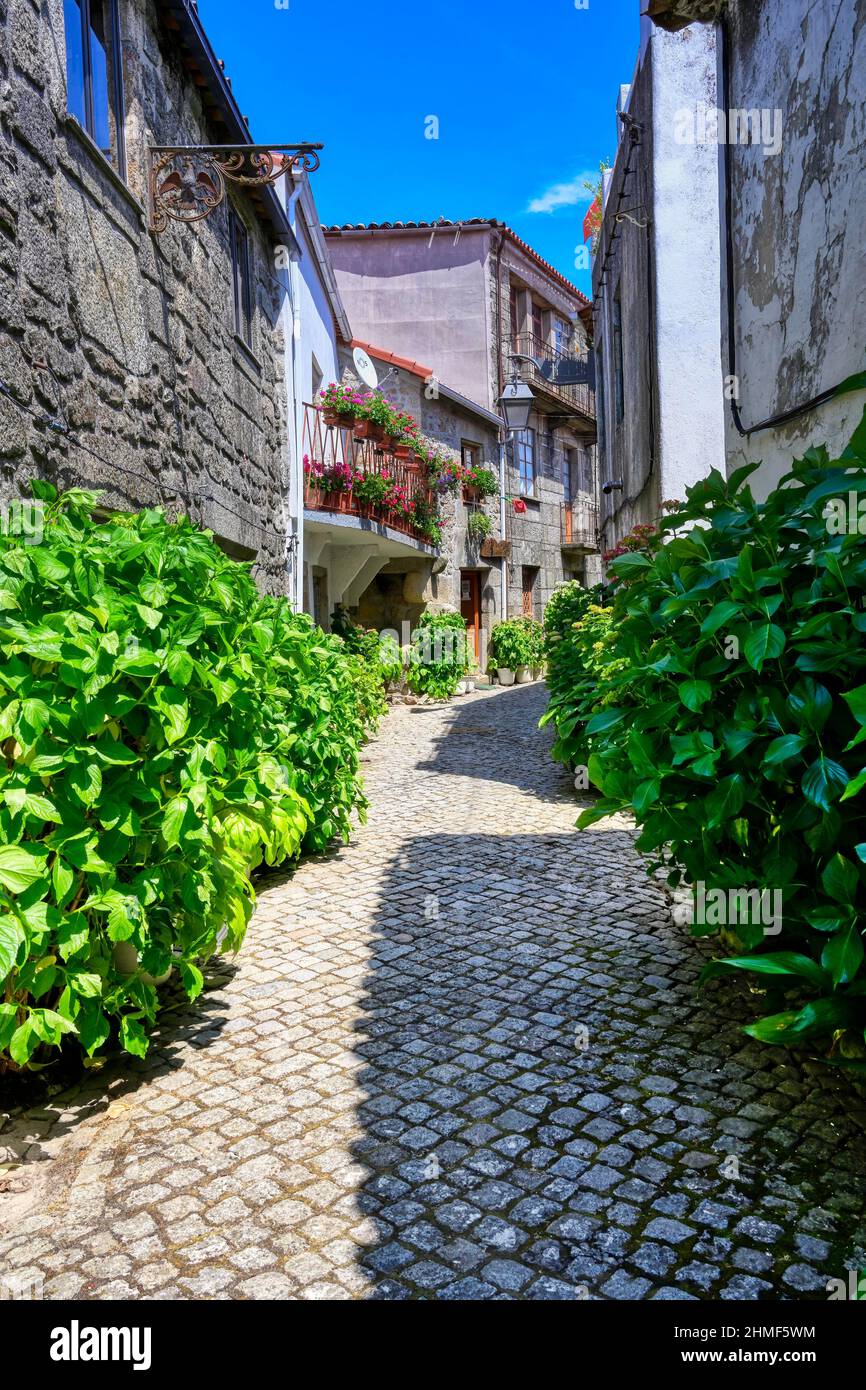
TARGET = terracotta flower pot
x,y
401,451
363,429
330,417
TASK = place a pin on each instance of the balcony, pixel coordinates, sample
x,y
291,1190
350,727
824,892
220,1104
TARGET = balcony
x,y
335,461
557,365
579,525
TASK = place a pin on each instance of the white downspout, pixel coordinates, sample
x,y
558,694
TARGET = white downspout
x,y
503,598
297,406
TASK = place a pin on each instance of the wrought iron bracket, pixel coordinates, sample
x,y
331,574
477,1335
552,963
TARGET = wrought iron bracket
x,y
187,182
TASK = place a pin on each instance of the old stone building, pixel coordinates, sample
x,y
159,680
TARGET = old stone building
x,y
655,289
790,152
147,362
478,303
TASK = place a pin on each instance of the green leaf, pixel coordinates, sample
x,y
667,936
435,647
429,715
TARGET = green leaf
x,y
719,616
824,782
695,693
765,641
781,750
173,818
773,963
85,780
151,617
628,565
840,879
179,665
856,701
12,938
606,718
855,785
24,1043
843,955
726,801
174,712
193,979
21,866
133,1037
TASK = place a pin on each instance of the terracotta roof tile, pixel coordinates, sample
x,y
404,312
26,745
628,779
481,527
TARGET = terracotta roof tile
x,y
383,355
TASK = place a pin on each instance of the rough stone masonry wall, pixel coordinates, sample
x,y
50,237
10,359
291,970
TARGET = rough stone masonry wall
x,y
535,534
138,331
446,426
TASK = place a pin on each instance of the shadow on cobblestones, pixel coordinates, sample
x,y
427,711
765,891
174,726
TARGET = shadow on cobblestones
x,y
461,1058
550,1110
474,744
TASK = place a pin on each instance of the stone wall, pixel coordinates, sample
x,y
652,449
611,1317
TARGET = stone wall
x,y
405,588
658,265
137,331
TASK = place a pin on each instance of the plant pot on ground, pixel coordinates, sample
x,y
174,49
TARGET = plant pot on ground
x,y
504,676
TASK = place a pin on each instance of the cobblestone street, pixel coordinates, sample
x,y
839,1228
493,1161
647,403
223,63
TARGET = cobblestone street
x,y
462,1058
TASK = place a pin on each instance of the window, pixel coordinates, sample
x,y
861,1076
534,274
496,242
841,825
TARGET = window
x,y
619,397
317,378
537,322
515,311
471,455
563,333
586,471
523,459
94,78
569,480
241,277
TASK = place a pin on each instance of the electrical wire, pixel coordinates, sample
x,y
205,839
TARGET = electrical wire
x,y
60,427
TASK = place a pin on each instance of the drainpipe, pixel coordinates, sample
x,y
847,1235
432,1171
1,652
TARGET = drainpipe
x,y
497,339
297,476
503,599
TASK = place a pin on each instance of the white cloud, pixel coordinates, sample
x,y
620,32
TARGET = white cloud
x,y
565,195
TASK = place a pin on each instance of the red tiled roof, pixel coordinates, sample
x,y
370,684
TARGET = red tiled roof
x,y
466,222
383,355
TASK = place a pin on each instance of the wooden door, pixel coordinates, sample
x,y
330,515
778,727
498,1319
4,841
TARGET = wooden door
x,y
470,607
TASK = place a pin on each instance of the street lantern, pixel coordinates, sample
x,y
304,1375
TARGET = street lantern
x,y
516,404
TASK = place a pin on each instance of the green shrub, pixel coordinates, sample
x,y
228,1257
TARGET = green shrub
x,y
511,644
740,743
565,606
581,666
164,730
440,657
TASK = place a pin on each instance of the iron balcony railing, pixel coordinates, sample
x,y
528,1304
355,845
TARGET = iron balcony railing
x,y
581,397
336,461
579,524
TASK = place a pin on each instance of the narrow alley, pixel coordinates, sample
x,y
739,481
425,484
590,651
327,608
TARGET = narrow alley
x,y
463,1058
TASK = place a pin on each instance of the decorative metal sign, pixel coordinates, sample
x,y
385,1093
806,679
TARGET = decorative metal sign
x,y
188,181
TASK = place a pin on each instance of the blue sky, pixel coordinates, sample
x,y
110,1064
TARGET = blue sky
x,y
524,94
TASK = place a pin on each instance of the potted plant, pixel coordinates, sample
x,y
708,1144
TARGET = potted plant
x,y
533,633
510,652
427,521
478,483
370,490
478,526
442,472
339,405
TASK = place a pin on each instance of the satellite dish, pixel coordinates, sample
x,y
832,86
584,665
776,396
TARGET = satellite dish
x,y
365,369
